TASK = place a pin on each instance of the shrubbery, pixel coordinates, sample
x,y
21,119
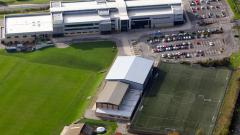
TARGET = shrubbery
x,y
215,63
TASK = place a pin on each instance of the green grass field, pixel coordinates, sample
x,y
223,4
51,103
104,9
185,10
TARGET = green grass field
x,y
182,98
45,90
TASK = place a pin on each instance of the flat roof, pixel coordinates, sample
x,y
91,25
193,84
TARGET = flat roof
x,y
122,9
139,3
149,12
177,9
121,5
83,5
127,106
28,23
131,68
87,17
113,92
73,129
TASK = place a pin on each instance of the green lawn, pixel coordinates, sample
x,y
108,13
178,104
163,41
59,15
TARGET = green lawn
x,y
229,103
235,60
24,1
3,2
45,90
110,126
227,108
182,98
235,8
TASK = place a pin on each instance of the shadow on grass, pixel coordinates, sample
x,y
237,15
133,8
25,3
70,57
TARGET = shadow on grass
x,y
22,0
2,3
234,127
155,82
93,45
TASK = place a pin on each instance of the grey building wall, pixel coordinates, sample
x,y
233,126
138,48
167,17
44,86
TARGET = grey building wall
x,y
148,77
133,85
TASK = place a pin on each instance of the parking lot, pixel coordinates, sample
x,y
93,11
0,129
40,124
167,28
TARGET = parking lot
x,y
210,11
209,38
187,45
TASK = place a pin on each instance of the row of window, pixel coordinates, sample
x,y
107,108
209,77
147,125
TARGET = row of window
x,y
24,36
107,106
167,17
73,29
119,117
81,25
139,19
84,32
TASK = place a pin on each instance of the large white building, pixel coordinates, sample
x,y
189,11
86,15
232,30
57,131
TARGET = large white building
x,y
95,16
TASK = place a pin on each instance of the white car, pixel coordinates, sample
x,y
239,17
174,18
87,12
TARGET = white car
x,y
101,130
211,43
164,56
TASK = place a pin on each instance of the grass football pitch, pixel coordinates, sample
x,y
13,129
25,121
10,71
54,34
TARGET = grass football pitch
x,y
42,91
181,98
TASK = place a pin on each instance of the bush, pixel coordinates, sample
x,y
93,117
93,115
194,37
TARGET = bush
x,y
3,3
215,63
185,62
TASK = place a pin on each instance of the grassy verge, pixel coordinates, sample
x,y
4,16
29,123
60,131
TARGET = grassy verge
x,y
235,7
7,2
23,11
227,108
110,126
235,60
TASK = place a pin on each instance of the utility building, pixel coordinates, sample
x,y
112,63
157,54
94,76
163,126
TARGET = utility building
x,y
123,88
112,95
132,70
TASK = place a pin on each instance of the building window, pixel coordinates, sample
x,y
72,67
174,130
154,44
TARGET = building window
x,y
162,17
81,25
89,28
137,19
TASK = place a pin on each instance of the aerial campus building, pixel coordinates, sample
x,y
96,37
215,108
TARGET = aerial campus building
x,y
124,86
92,16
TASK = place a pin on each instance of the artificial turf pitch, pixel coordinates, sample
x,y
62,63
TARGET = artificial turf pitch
x,y
181,98
42,91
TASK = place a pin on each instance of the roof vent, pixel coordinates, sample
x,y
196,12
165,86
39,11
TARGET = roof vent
x,y
100,1
33,24
103,12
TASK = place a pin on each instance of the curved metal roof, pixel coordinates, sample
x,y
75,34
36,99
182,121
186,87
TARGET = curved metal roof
x,y
131,68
